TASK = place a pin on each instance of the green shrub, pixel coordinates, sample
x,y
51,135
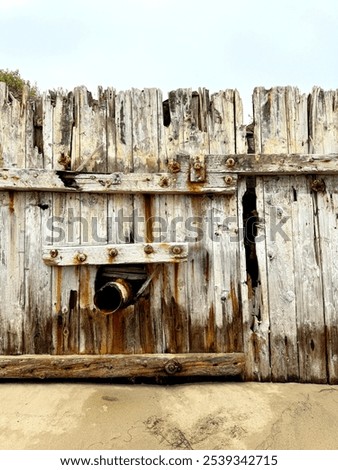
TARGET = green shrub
x,y
16,84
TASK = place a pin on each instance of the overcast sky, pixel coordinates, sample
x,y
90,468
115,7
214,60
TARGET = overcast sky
x,y
171,44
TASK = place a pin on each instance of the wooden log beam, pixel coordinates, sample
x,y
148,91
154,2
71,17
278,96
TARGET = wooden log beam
x,y
273,164
122,365
14,179
125,253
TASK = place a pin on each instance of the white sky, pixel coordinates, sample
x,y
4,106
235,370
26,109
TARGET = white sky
x,y
171,44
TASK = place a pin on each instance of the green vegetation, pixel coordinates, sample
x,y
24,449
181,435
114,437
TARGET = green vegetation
x,y
16,84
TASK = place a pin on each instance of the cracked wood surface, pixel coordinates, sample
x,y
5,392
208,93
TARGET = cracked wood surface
x,y
128,146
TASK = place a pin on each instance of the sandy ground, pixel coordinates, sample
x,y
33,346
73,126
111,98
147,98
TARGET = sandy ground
x,y
190,416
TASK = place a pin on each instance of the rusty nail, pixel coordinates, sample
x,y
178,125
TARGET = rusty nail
x,y
176,250
230,162
164,182
81,257
113,252
174,166
148,249
228,179
172,367
53,253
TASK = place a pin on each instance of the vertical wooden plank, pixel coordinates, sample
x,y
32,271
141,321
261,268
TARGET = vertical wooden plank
x,y
225,122
271,134
38,319
93,324
62,127
145,159
65,229
13,116
12,128
308,281
123,329
12,305
324,138
89,153
308,284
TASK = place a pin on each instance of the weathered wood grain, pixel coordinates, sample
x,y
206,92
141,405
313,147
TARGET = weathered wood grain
x,y
308,283
323,125
12,249
109,366
116,183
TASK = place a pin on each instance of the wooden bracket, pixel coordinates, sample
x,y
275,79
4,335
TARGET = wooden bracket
x,y
129,253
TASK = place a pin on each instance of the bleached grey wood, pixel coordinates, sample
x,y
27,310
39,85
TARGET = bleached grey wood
x,y
323,126
122,253
116,183
272,133
273,164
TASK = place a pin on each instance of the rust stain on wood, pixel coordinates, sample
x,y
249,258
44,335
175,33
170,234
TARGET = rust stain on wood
x,y
211,333
11,202
58,282
148,200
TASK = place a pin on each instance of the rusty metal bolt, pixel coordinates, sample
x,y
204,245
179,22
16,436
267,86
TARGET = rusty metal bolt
x,y
230,162
198,166
176,250
228,179
174,166
172,367
148,249
113,252
81,257
53,253
164,182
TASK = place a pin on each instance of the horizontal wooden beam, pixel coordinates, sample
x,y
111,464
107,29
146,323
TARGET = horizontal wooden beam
x,y
219,175
114,183
126,253
122,365
272,164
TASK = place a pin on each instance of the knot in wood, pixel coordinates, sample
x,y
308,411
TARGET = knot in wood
x,y
172,367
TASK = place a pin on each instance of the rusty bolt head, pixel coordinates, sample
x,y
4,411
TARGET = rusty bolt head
x,y
148,249
230,162
164,182
198,166
81,257
176,250
113,252
53,253
174,166
172,367
228,179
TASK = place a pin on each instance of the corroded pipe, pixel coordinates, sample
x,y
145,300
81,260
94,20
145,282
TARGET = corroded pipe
x,y
113,296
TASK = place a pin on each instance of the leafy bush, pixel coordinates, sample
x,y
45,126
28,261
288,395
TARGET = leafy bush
x,y
16,84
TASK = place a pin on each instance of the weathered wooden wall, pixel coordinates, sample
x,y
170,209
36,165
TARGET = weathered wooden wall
x,y
274,297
